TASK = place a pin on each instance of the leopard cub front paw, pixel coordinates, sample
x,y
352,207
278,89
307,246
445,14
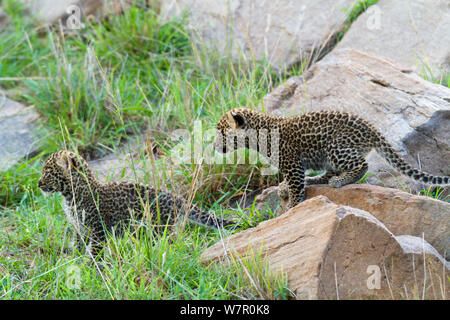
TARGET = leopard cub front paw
x,y
335,182
283,191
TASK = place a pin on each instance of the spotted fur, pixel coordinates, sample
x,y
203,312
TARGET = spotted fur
x,y
97,207
336,142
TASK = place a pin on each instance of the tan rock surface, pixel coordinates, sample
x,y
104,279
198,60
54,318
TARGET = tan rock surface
x,y
363,247
402,213
294,242
326,251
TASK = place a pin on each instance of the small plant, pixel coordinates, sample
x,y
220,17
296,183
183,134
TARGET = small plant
x,y
256,279
249,217
18,184
435,193
353,13
436,76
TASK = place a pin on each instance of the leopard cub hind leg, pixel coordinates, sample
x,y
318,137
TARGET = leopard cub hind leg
x,y
283,187
294,174
323,178
350,170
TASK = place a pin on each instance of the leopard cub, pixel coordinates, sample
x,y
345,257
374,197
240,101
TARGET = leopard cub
x,y
336,142
96,208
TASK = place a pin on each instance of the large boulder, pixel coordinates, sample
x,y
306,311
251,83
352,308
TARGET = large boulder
x,y
330,251
407,109
401,212
413,33
19,132
284,31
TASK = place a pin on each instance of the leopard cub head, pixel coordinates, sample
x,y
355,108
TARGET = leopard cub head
x,y
59,170
229,129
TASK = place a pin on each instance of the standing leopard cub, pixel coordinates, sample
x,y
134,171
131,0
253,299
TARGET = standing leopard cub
x,y
95,207
336,142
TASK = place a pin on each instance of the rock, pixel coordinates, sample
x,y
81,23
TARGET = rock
x,y
330,251
19,132
113,167
413,33
402,105
51,11
125,163
269,198
284,31
132,161
401,212
431,136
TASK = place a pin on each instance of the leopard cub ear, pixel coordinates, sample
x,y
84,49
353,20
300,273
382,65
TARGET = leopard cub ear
x,y
237,120
65,162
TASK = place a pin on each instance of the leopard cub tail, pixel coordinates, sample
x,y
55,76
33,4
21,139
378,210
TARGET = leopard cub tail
x,y
209,219
385,149
174,204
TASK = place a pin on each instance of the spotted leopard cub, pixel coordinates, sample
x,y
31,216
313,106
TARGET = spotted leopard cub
x,y
95,207
336,142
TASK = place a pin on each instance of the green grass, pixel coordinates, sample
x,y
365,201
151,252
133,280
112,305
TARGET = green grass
x,y
435,76
353,13
97,85
15,186
21,49
96,88
36,260
436,193
99,79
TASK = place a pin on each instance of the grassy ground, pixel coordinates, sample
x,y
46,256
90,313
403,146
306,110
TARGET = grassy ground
x,y
96,88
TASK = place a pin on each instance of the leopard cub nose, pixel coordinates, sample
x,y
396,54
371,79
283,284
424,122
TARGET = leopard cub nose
x,y
41,186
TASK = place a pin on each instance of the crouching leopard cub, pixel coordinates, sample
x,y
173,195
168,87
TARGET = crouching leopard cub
x,y
336,142
95,207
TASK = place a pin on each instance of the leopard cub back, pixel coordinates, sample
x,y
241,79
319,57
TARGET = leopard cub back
x,y
97,208
336,142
